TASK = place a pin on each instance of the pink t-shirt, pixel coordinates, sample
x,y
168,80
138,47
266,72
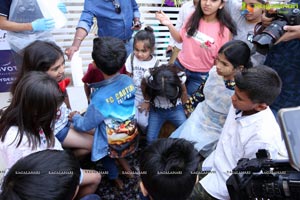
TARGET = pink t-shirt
x,y
199,52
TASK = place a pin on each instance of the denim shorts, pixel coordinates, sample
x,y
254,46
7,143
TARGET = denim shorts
x,y
62,134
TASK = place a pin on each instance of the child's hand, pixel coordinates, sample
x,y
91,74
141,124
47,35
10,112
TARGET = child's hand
x,y
163,18
72,114
145,106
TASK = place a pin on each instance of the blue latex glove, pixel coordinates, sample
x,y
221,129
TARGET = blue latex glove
x,y
62,7
43,24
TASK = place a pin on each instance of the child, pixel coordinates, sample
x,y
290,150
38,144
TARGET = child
x,y
111,110
94,75
164,91
205,124
246,21
202,34
51,61
46,165
136,64
250,126
167,167
26,126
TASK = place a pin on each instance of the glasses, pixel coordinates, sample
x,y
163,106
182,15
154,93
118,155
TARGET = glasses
x,y
117,6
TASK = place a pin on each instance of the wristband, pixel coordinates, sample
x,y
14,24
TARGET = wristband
x,y
147,101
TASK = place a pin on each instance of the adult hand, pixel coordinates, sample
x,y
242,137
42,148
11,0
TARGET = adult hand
x,y
62,7
43,24
70,51
292,32
163,18
136,26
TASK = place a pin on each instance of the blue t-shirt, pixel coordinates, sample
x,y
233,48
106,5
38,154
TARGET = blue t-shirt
x,y
111,99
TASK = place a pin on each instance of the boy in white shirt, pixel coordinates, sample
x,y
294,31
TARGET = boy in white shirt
x,y
250,126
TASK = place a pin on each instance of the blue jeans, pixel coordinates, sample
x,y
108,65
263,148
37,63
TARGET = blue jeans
x,y
194,79
110,166
129,47
158,116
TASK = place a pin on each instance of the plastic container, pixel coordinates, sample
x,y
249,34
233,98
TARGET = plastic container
x,y
49,9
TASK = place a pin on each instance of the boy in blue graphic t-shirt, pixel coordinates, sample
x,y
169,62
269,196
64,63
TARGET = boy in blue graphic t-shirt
x,y
111,110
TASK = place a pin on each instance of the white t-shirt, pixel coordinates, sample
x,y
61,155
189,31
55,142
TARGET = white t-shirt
x,y
139,68
241,137
11,153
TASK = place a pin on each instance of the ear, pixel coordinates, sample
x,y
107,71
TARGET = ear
x,y
241,67
260,106
143,189
221,6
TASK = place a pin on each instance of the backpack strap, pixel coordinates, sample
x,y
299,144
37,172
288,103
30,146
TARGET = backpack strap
x,y
156,63
131,62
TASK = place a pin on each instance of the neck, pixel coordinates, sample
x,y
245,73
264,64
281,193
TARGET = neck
x,y
249,112
105,76
210,18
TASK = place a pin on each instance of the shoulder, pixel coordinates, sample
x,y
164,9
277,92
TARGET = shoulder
x,y
11,135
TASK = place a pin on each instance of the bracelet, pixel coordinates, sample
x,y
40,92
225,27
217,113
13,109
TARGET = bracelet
x,y
147,101
78,38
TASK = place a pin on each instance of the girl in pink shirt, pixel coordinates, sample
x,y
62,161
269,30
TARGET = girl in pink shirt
x,y
203,33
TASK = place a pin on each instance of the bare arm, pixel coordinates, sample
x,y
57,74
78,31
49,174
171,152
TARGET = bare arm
x,y
78,38
165,20
14,26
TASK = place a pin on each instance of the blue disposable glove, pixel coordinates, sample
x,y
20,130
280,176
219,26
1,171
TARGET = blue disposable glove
x,y
62,7
43,24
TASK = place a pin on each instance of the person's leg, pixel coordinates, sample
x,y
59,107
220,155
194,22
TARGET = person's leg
x,y
156,121
194,80
81,142
177,116
113,172
89,184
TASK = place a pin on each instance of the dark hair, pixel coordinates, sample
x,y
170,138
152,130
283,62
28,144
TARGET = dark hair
x,y
109,54
38,56
59,170
223,16
261,83
147,36
33,107
167,167
237,53
164,81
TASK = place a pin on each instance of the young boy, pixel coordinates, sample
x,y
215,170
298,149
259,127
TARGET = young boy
x,y
168,169
111,108
250,126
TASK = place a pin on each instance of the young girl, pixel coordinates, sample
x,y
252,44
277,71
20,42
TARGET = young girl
x,y
26,126
49,58
164,91
203,33
206,122
136,64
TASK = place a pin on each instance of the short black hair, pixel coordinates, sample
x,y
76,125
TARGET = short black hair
x,y
109,54
167,167
59,170
261,83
